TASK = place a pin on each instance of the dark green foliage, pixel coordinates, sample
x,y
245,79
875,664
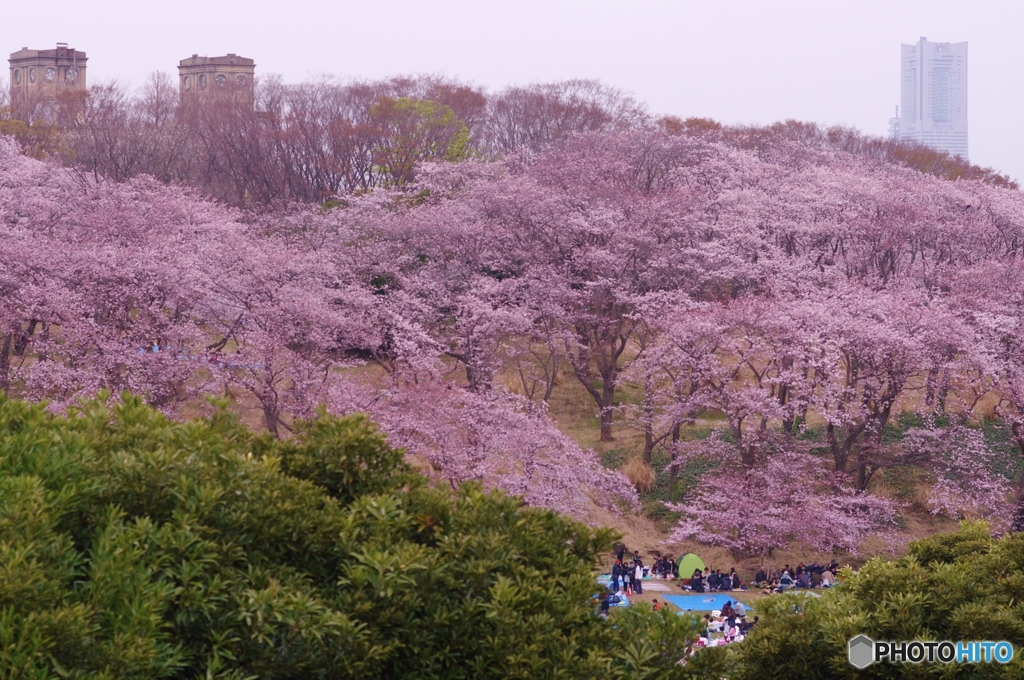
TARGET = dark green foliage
x,y
999,438
136,547
687,479
346,458
963,586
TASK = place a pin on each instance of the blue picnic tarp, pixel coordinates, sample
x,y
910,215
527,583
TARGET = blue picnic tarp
x,y
703,602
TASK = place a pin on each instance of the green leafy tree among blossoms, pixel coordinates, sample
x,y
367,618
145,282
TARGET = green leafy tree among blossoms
x,y
962,586
132,546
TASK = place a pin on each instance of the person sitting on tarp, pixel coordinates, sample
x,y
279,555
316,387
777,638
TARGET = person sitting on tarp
x,y
827,579
728,614
707,626
746,626
804,580
739,608
760,577
786,582
734,578
697,581
605,603
713,581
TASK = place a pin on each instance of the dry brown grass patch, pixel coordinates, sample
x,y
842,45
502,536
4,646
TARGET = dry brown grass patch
x,y
639,473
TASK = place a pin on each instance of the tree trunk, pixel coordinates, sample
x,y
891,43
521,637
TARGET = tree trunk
x,y
1018,510
5,364
1017,524
551,378
930,386
604,366
21,342
862,477
940,401
784,398
270,416
606,425
648,419
673,468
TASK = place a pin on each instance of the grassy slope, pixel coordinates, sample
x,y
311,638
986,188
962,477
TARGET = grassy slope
x,y
576,415
575,412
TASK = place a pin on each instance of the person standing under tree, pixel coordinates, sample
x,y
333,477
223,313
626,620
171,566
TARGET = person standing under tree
x,y
638,575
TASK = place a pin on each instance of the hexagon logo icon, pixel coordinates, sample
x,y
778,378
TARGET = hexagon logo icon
x,y
862,651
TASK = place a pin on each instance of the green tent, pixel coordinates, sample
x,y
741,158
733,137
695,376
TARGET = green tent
x,y
689,563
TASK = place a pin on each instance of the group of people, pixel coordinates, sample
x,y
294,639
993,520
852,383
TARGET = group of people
x,y
804,576
731,621
628,574
665,568
708,581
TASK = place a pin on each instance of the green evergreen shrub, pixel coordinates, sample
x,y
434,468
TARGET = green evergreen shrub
x,y
962,586
132,546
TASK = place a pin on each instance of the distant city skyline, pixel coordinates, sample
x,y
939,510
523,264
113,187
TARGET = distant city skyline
x,y
933,95
737,61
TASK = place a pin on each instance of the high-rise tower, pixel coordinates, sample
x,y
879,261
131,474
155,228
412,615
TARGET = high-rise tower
x,y
933,93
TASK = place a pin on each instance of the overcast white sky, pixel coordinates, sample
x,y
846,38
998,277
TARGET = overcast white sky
x,y
738,61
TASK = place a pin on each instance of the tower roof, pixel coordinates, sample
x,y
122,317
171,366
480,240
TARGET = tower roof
x,y
62,51
226,60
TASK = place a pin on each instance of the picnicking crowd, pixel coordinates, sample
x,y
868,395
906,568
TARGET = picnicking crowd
x,y
711,581
628,573
804,576
731,622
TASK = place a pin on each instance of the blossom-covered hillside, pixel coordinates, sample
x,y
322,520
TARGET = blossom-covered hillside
x,y
775,285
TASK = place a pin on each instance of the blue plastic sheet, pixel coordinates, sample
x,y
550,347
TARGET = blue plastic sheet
x,y
703,602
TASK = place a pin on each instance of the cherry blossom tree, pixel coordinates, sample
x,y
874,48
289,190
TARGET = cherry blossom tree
x,y
770,279
785,496
963,464
495,437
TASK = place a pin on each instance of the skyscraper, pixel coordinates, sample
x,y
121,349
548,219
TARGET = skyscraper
x,y
933,93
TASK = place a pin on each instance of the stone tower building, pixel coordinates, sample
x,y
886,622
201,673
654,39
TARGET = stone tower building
x,y
39,76
227,78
